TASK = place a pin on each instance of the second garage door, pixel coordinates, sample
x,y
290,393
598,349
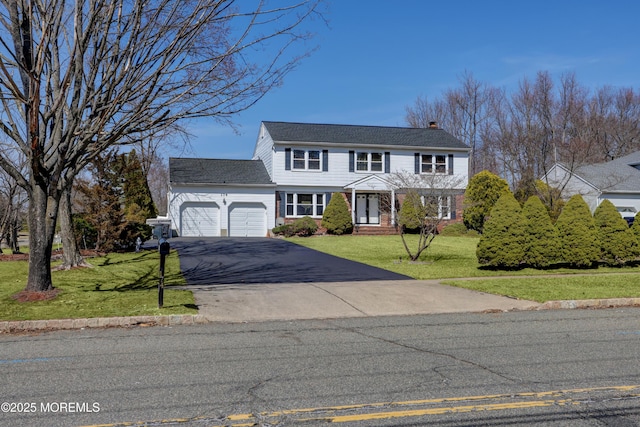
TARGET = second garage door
x,y
247,220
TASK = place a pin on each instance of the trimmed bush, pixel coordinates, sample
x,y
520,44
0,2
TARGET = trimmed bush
x,y
303,227
484,189
579,244
503,241
336,217
617,244
457,229
542,243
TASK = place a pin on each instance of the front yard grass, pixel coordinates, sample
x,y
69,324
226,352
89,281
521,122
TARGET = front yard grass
x,y
117,285
454,257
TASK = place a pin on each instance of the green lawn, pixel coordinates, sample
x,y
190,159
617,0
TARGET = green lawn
x,y
454,257
117,285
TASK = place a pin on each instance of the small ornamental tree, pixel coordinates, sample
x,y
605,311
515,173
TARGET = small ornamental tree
x,y
579,244
336,217
502,244
542,245
412,213
484,189
617,243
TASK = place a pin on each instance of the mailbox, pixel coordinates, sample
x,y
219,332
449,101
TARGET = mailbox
x,y
164,247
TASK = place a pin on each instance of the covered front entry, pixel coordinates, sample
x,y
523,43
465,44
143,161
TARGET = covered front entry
x,y
372,201
368,208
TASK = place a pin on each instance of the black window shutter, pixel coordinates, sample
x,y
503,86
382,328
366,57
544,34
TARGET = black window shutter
x,y
387,162
417,162
283,204
450,164
352,158
452,207
327,197
287,159
325,160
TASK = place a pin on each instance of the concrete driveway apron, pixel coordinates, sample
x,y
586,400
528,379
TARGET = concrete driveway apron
x,y
258,279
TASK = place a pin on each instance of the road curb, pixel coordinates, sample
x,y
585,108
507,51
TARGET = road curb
x,y
590,304
17,326
100,322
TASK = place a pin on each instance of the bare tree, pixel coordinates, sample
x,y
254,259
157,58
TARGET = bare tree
x,y
427,200
77,78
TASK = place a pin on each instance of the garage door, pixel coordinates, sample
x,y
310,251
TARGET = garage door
x,y
247,220
199,219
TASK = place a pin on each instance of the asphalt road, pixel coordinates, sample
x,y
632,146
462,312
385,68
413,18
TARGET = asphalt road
x,y
228,260
548,368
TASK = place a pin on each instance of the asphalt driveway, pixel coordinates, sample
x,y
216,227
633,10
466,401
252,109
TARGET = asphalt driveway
x,y
230,260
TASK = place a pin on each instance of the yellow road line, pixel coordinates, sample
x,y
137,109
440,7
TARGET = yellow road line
x,y
249,419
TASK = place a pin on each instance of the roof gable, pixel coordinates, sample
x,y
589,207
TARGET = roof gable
x,y
618,175
363,135
217,171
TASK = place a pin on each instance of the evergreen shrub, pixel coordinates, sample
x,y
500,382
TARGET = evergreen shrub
x,y
336,217
579,246
542,243
617,243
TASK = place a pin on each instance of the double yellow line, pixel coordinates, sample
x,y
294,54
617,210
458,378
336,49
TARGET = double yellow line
x,y
410,408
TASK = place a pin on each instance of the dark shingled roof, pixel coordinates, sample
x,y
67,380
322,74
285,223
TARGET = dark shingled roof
x,y
217,171
367,135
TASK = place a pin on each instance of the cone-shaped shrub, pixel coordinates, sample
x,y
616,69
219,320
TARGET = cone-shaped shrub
x,y
579,244
617,243
504,237
635,232
336,217
542,243
484,189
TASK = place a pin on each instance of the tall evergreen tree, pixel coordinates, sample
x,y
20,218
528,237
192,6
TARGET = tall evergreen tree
x,y
503,241
579,244
336,217
484,189
542,243
617,243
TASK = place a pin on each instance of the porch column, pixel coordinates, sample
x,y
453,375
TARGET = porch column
x,y
393,206
353,206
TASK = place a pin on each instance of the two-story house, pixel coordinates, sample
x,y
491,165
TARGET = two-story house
x,y
296,167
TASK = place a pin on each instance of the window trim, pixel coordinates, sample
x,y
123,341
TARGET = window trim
x,y
447,204
434,164
370,162
307,160
318,205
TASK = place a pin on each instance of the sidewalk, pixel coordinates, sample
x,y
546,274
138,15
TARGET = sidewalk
x,y
304,301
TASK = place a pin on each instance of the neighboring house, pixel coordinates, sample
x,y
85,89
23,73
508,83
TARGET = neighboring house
x,y
296,168
617,180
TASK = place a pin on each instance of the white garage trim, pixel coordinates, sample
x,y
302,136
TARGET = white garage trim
x,y
247,220
199,219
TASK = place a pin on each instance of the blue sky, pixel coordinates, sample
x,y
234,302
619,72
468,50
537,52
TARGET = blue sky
x,y
376,57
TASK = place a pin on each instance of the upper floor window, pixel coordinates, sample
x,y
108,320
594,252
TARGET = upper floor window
x,y
433,163
369,162
306,159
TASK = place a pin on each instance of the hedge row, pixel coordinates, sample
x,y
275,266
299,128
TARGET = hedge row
x,y
516,237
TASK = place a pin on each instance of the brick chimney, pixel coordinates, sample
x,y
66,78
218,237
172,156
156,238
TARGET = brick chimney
x,y
433,125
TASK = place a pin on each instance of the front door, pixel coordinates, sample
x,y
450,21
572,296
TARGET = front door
x,y
367,209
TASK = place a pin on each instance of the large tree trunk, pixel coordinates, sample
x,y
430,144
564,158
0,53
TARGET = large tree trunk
x,y
43,210
71,252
